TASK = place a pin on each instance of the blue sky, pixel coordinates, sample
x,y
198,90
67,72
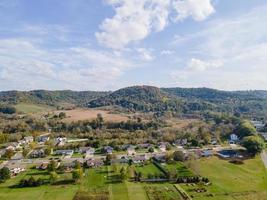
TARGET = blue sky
x,y
109,44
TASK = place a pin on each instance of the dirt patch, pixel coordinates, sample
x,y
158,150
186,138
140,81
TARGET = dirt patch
x,y
90,114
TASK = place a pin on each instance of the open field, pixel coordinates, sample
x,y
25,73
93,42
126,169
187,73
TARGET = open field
x,y
31,108
180,168
229,181
45,192
148,169
90,114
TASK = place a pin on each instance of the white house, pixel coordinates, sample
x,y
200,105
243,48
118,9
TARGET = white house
x,y
233,138
131,151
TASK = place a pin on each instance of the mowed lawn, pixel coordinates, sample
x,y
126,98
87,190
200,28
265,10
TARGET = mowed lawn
x,y
181,169
46,192
148,169
233,182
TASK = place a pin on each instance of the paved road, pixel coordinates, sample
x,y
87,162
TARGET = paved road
x,y
264,158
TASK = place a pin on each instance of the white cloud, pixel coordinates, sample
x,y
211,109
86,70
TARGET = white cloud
x,y
134,20
166,52
200,65
23,62
145,54
198,9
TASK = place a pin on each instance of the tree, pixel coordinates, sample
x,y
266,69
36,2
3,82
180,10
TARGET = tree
x,y
53,177
25,152
9,153
4,174
151,150
245,128
178,156
62,115
52,166
123,174
253,144
77,175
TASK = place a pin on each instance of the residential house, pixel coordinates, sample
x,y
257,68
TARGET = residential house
x,y
61,141
15,168
258,124
160,158
28,139
144,145
206,153
140,159
64,152
43,138
94,163
38,153
13,146
42,166
108,150
233,139
131,151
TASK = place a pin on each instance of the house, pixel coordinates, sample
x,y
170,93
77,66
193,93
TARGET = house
x,y
162,147
42,166
83,150
108,150
233,139
13,146
160,158
38,153
61,141
94,163
264,135
258,124
64,152
131,150
89,153
43,138
28,139
140,159
15,168
144,146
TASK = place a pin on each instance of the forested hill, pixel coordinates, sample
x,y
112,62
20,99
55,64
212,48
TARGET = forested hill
x,y
148,98
186,100
52,98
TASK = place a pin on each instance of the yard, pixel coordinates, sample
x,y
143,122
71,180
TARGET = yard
x,y
231,181
45,192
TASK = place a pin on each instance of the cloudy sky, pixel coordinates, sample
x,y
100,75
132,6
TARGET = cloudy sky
x,y
109,44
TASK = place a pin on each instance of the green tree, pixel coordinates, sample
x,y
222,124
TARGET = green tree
x,y
123,174
52,166
253,144
178,156
245,128
53,177
4,174
25,152
9,153
77,175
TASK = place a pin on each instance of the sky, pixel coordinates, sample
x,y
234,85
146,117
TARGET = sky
x,y
110,44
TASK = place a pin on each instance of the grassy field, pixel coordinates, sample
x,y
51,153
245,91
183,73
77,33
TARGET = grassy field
x,y
232,182
90,114
148,169
31,108
180,168
46,192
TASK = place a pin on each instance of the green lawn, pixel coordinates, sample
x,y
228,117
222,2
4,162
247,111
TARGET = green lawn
x,y
46,192
231,181
148,169
182,170
31,108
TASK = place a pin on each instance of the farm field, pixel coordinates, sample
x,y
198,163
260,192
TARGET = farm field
x,y
31,108
232,182
180,168
90,114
